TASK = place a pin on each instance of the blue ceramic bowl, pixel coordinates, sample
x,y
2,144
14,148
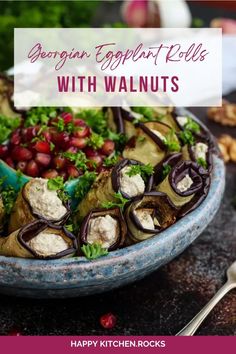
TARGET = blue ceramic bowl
x,y
77,276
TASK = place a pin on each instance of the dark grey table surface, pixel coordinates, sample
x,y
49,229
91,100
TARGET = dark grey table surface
x,y
162,303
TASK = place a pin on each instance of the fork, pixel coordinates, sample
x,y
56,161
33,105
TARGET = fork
x,y
194,324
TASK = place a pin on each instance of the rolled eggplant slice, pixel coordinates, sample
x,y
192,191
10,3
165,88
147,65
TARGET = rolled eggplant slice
x,y
151,143
162,169
115,120
116,181
106,227
200,152
186,185
36,201
148,215
41,240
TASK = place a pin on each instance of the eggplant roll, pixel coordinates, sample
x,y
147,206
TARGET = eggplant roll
x,y
148,215
36,201
116,181
186,185
39,239
106,227
200,153
150,143
162,169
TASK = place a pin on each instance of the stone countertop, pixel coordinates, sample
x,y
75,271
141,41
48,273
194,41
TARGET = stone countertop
x,y
160,304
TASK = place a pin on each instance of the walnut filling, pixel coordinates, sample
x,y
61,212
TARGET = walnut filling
x,y
182,120
131,185
47,244
200,150
147,219
103,230
185,183
44,201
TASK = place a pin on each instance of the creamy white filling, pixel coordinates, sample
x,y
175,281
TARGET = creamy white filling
x,y
182,120
103,230
46,244
200,150
44,201
131,185
145,218
157,133
185,183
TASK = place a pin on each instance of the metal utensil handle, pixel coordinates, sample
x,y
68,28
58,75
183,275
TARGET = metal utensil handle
x,y
193,325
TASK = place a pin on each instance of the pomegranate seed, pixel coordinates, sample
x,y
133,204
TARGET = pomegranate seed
x,y
108,321
73,172
29,133
72,149
32,169
83,132
79,122
15,138
63,174
42,146
21,165
62,139
10,162
14,332
90,152
50,174
59,162
67,117
3,150
80,143
20,153
108,147
96,159
47,135
43,159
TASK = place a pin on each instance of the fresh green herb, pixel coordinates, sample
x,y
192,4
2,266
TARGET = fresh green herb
x,y
147,112
39,115
95,118
52,146
202,162
187,137
95,141
143,170
192,126
59,124
94,251
79,159
111,160
8,195
170,141
119,139
166,170
84,184
56,183
69,227
141,139
7,125
120,202
71,128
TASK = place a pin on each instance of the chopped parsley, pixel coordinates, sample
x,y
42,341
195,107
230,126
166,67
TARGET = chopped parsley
x,y
120,202
170,141
59,124
7,126
39,115
202,162
57,184
95,118
192,125
111,160
93,251
84,184
148,114
143,170
79,159
8,195
187,137
95,141
166,170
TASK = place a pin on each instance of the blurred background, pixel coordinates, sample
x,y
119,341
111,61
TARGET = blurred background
x,y
110,13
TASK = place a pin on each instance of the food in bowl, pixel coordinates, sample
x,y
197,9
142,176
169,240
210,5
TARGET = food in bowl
x,y
137,171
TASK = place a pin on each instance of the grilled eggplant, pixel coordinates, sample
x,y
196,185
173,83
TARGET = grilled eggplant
x,y
148,215
36,201
41,240
105,227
